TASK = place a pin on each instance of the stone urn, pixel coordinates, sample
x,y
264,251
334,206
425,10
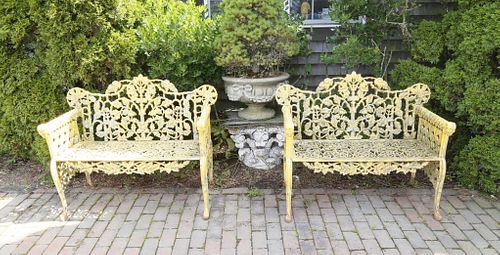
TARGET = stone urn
x,y
255,93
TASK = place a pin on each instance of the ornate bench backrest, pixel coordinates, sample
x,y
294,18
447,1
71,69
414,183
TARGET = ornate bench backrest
x,y
140,109
353,107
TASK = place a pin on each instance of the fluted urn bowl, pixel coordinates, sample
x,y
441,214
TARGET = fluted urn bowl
x,y
255,93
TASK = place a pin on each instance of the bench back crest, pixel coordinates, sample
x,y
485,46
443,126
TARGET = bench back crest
x,y
140,109
353,107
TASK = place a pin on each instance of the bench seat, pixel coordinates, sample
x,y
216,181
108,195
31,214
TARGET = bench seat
x,y
132,151
357,150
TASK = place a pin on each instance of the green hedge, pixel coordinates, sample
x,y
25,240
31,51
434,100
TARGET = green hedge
x,y
48,47
458,57
178,43
478,163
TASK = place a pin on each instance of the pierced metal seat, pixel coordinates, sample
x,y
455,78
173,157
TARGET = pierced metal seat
x,y
132,151
362,150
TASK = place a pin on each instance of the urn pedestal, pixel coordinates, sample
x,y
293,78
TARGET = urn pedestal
x,y
259,147
259,143
255,93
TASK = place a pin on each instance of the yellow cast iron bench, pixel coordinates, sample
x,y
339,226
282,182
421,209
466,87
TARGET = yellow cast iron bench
x,y
138,126
357,125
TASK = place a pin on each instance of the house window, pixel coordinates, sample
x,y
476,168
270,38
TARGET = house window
x,y
314,12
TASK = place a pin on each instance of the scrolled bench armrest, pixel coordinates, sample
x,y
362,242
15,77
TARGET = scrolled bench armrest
x,y
208,96
204,135
61,132
446,126
433,130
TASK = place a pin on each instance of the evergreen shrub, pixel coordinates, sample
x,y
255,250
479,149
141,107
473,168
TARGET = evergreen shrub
x,y
47,47
178,43
256,37
459,58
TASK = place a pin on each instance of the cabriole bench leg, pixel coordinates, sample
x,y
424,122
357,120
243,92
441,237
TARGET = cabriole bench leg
x,y
89,179
288,189
438,188
211,171
412,178
59,188
204,165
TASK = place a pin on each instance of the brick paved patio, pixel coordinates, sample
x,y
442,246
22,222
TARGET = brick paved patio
x,y
387,221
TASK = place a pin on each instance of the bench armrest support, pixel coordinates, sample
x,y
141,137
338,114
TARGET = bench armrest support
x,y
203,121
289,130
61,132
287,119
206,152
203,127
433,130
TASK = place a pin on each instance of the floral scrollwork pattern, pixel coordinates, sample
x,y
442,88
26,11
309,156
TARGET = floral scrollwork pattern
x,y
140,109
432,171
69,168
364,168
353,107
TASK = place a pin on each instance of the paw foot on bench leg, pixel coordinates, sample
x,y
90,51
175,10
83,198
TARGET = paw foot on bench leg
x,y
288,218
437,215
206,210
437,198
206,214
64,215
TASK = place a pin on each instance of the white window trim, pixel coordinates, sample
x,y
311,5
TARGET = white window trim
x,y
208,11
317,23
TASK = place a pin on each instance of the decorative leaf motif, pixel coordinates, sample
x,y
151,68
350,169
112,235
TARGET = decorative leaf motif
x,y
364,168
353,107
141,109
67,170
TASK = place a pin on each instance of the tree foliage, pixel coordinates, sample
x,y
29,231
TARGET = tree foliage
x,y
255,37
178,43
360,40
